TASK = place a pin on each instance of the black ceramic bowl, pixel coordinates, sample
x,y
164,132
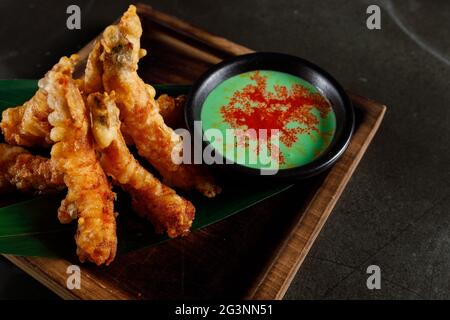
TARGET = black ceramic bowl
x,y
325,83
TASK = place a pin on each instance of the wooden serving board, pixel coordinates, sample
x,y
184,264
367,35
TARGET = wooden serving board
x,y
252,255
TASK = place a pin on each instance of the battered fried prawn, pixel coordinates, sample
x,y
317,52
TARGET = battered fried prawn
x,y
89,193
151,199
172,110
27,125
20,170
139,112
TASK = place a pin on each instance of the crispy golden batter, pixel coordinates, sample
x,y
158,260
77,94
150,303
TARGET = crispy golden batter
x,y
23,171
27,125
94,71
89,193
151,199
139,112
172,110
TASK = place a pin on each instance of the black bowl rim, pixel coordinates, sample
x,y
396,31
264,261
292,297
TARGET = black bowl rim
x,y
337,147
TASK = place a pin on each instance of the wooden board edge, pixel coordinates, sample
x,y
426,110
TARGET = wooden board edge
x,y
191,31
294,249
56,282
27,265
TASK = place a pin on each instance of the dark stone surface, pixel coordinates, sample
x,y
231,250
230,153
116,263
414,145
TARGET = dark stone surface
x,y
395,210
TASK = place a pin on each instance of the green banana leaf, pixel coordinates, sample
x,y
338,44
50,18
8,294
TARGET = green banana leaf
x,y
30,227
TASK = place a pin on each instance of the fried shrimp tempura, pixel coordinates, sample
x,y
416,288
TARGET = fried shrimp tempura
x,y
152,200
139,112
172,110
27,125
20,170
89,193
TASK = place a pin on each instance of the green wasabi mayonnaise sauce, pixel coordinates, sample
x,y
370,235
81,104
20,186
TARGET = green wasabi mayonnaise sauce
x,y
268,100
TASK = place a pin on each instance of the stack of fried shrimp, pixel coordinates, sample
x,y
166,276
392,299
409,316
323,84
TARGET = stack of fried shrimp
x,y
88,123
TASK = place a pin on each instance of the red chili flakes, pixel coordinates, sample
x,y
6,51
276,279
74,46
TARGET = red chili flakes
x,y
254,107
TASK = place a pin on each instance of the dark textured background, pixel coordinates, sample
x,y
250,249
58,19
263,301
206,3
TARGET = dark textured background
x,y
395,211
